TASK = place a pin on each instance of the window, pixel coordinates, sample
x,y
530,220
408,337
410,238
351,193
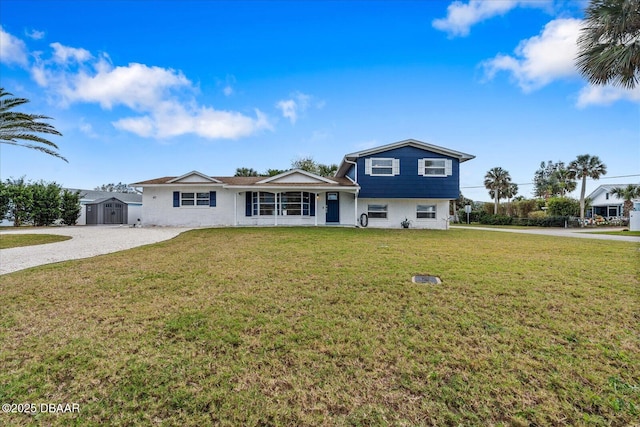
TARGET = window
x,y
187,199
377,211
434,167
207,199
426,211
288,203
291,203
381,167
264,203
202,199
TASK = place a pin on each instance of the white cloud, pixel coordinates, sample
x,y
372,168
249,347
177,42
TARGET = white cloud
x,y
141,126
86,128
461,16
136,86
228,88
12,49
172,119
162,97
64,54
291,108
35,34
606,95
541,59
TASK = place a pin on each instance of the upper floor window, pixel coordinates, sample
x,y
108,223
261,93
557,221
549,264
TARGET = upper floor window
x,y
434,167
377,166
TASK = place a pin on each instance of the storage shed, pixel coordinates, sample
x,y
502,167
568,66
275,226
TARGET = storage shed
x,y
107,211
130,213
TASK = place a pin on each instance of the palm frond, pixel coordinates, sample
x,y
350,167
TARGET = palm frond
x,y
16,126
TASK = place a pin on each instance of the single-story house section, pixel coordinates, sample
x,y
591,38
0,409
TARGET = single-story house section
x,y
379,187
105,207
607,205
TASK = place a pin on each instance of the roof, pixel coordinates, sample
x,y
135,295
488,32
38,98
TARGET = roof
x,y
606,188
98,201
344,166
313,181
93,195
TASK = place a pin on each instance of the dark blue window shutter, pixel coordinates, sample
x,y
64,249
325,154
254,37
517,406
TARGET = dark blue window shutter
x,y
312,204
248,204
212,199
176,199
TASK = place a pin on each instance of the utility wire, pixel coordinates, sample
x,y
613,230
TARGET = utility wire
x,y
588,179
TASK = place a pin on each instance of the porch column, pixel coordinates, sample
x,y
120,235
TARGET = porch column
x,y
276,194
355,213
235,208
315,200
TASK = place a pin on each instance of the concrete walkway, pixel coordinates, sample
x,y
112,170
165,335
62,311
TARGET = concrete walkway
x,y
582,233
85,242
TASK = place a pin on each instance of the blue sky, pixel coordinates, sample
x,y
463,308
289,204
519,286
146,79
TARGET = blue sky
x,y
145,89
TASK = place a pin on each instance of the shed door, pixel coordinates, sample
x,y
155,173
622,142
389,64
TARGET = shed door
x,y
113,213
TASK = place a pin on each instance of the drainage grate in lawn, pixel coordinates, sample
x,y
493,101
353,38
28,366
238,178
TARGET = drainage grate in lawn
x,y
434,280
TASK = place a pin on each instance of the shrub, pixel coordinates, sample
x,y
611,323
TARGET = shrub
x,y
521,208
491,219
70,207
563,206
542,221
537,215
45,207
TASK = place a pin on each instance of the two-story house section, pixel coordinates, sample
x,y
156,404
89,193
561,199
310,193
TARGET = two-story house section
x,y
407,180
379,187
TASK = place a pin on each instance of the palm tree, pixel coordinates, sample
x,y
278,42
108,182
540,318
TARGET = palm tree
x,y
15,127
497,181
510,192
627,193
583,167
565,183
608,48
246,172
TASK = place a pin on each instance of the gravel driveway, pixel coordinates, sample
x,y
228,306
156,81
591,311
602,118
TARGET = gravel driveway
x,y
85,242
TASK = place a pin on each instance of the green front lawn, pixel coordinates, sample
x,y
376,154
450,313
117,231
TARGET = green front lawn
x,y
17,240
620,233
323,326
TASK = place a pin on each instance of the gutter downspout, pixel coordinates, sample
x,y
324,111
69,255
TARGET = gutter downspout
x,y
355,200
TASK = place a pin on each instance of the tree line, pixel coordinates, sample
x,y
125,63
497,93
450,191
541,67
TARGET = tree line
x,y
304,163
38,203
552,181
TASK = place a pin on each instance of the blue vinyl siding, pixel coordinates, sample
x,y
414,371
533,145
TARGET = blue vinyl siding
x,y
351,173
409,185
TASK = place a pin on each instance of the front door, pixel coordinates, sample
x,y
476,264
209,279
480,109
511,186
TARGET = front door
x,y
333,207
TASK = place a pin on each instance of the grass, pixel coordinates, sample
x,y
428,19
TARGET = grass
x,y
620,233
16,240
318,326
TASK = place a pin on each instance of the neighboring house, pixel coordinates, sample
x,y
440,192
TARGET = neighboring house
x,y
607,205
106,207
378,187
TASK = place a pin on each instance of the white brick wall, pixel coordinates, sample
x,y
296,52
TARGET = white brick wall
x,y
399,209
158,210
